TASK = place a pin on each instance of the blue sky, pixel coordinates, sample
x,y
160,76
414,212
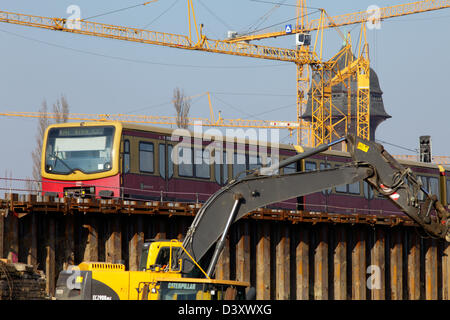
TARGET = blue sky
x,y
409,54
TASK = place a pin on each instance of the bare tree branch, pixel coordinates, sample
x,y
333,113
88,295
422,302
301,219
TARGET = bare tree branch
x,y
36,153
182,107
61,108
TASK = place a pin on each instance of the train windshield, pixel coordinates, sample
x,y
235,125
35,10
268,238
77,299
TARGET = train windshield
x,y
87,149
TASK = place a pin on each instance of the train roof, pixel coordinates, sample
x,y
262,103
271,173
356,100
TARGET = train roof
x,y
182,132
168,131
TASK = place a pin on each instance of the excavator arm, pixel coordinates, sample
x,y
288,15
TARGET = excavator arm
x,y
401,186
265,186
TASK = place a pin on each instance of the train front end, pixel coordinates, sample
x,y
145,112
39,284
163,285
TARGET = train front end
x,y
81,160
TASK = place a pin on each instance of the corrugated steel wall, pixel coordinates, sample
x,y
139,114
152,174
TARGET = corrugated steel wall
x,y
281,259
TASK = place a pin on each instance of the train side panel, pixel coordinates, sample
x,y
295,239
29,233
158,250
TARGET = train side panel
x,y
148,171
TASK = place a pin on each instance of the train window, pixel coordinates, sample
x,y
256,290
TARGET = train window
x,y
310,166
253,162
221,167
162,160
368,191
424,181
434,186
126,156
169,161
225,169
430,184
185,167
266,161
292,168
218,164
217,172
239,164
343,187
218,161
221,163
202,161
354,188
323,166
270,161
146,157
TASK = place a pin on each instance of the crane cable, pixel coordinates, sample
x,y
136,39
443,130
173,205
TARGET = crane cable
x,y
119,10
215,15
264,18
160,15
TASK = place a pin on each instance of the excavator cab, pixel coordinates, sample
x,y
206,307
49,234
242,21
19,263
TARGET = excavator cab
x,y
159,278
159,255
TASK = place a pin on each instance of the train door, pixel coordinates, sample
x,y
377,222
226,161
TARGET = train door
x,y
443,185
368,196
220,167
126,167
313,201
292,168
166,171
327,192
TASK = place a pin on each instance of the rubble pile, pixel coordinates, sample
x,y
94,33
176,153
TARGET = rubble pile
x,y
19,281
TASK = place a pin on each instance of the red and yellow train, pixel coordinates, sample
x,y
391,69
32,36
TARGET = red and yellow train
x,y
135,162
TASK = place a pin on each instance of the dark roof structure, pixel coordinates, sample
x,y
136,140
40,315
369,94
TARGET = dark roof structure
x,y
339,98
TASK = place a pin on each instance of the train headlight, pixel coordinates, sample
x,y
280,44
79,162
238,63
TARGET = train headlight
x,y
107,165
49,168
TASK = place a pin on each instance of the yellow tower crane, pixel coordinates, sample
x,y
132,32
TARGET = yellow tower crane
x,y
322,130
213,121
303,26
323,124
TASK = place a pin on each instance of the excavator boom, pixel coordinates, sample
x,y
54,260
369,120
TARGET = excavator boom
x,y
265,186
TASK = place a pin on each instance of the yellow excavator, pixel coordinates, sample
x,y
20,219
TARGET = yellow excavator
x,y
159,278
170,269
